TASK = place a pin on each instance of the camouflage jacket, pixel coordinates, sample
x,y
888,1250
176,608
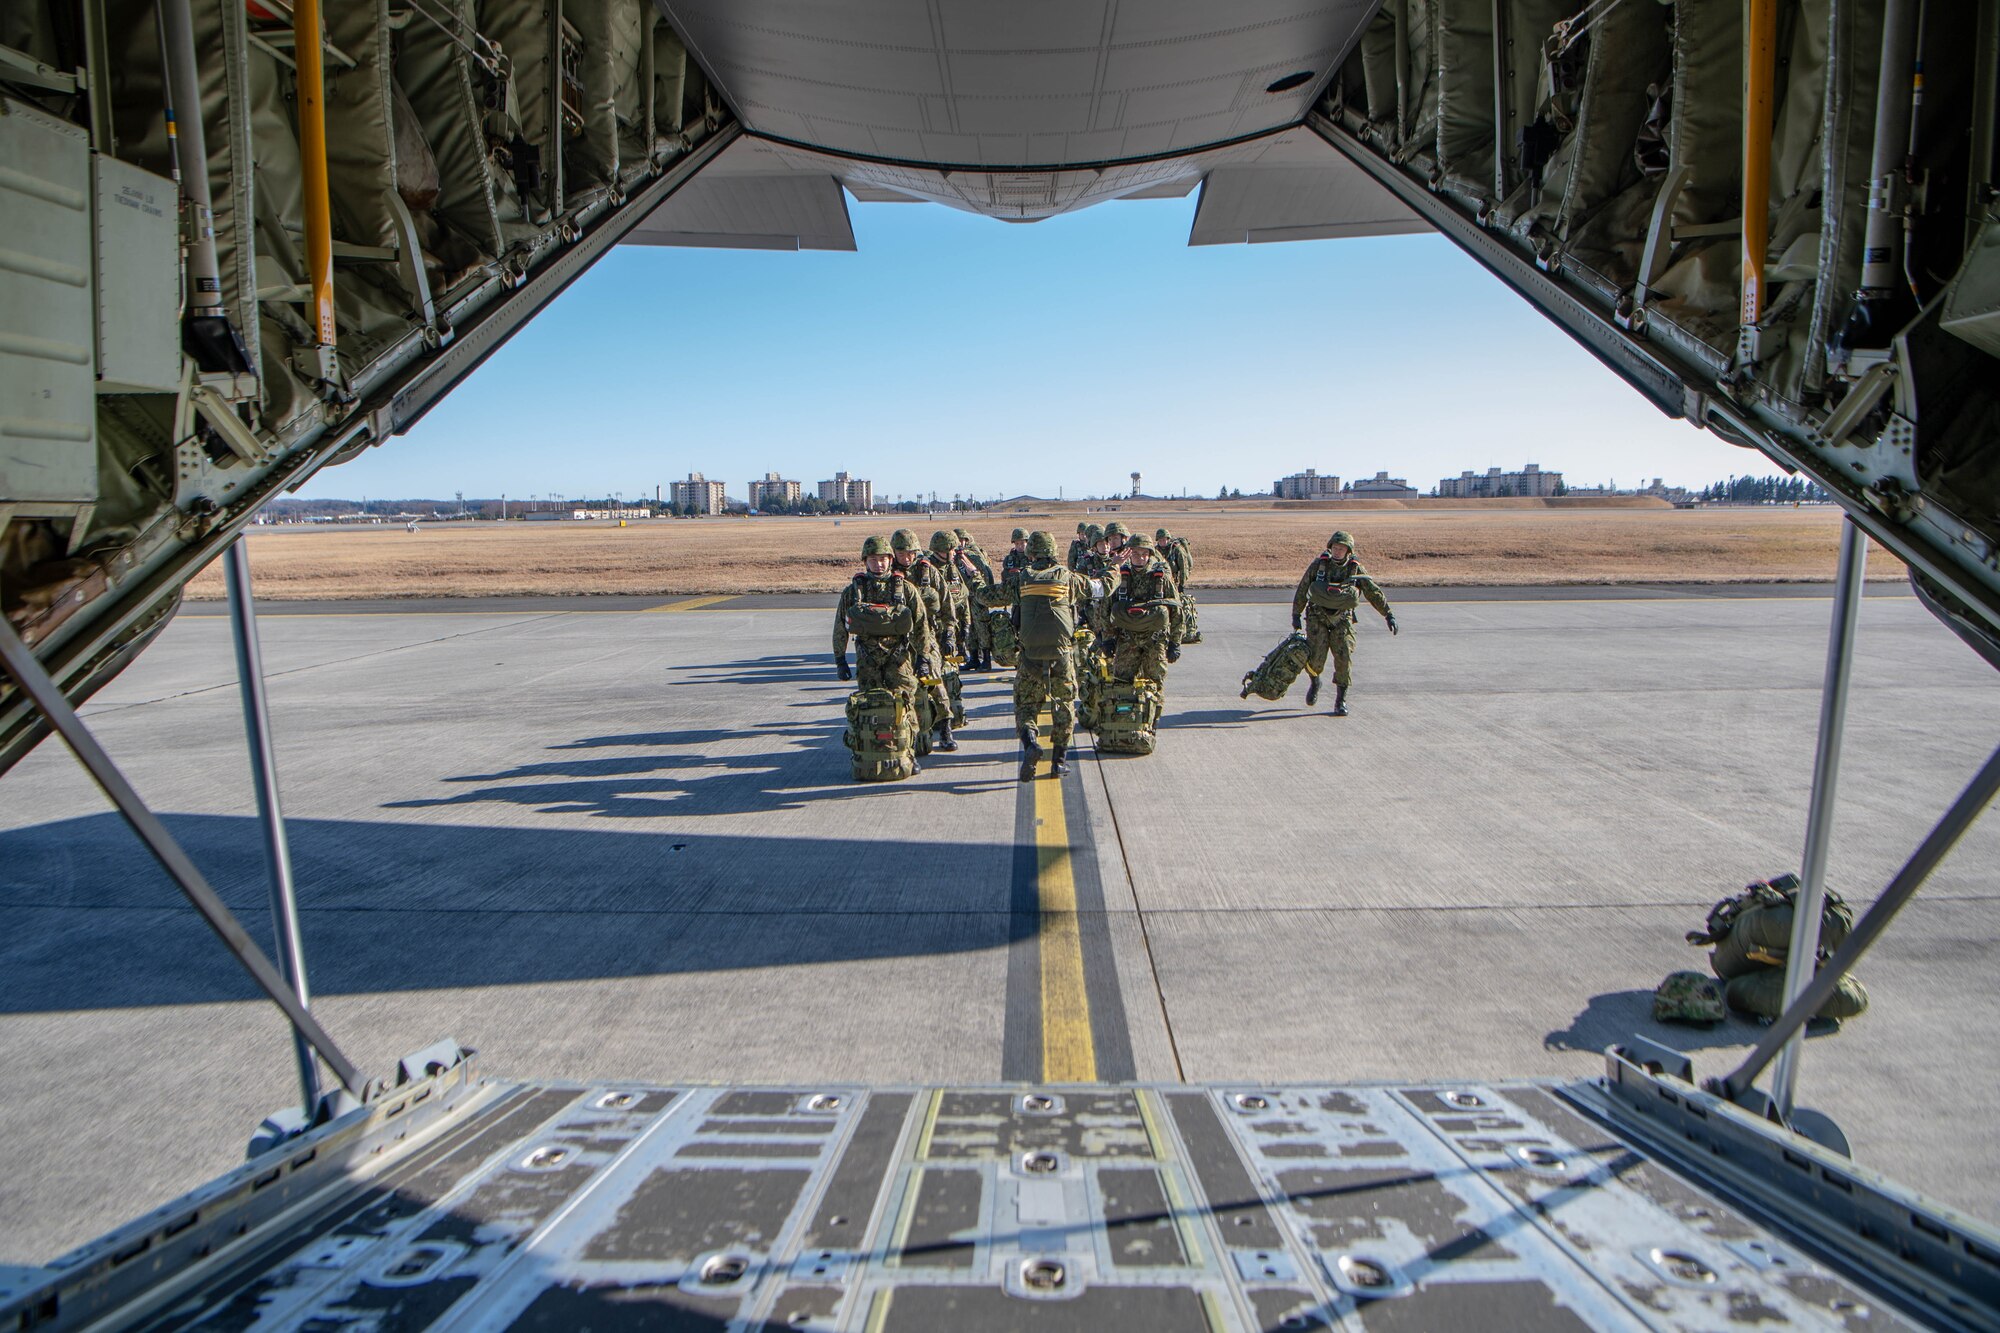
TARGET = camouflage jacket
x,y
1140,587
924,577
885,588
1013,564
1007,592
951,583
1079,550
1179,560
1347,571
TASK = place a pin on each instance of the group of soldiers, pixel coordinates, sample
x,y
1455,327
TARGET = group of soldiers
x,y
1115,612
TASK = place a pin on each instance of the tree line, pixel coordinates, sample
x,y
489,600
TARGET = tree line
x,y
1763,491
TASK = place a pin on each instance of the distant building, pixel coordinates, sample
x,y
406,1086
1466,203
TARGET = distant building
x,y
774,491
549,515
1307,485
1381,486
1494,484
858,496
698,495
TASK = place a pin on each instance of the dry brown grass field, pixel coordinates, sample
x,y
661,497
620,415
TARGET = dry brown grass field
x,y
1244,549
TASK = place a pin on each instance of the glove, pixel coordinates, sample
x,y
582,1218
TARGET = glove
x,y
1173,652
1296,623
1392,624
844,671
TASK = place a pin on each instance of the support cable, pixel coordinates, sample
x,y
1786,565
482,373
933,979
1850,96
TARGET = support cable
x,y
27,672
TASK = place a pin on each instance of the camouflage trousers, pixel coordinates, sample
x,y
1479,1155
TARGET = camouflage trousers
x,y
980,633
1046,682
1138,656
884,664
1330,630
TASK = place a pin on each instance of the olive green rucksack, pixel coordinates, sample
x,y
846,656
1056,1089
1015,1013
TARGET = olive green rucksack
x,y
1753,929
1048,612
1280,667
1128,716
879,733
1190,625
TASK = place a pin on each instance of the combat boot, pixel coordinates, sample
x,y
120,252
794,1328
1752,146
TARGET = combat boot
x,y
944,740
1031,754
1057,764
1339,700
1312,692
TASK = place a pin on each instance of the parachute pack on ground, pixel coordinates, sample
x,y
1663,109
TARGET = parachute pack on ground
x,y
880,732
1751,933
1006,643
1190,624
1280,667
1128,716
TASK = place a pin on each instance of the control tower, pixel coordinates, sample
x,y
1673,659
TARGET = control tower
x,y
1135,485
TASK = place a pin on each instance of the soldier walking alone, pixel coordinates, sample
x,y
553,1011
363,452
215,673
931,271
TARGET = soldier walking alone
x,y
1328,594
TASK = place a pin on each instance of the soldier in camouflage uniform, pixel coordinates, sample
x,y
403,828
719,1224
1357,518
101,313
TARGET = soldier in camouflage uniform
x,y
944,555
938,628
1079,546
977,572
895,663
1180,563
1334,576
1044,595
1016,558
1146,589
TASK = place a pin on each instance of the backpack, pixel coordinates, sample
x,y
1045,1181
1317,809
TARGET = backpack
x,y
893,618
1190,623
879,733
1128,715
1006,642
1048,612
1280,667
1761,994
1329,592
1753,929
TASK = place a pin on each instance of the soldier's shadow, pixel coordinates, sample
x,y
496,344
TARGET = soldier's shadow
x,y
663,778
775,669
1615,1016
1226,719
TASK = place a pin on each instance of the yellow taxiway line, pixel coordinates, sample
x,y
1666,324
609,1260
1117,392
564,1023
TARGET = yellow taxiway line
x,y
1068,1054
691,603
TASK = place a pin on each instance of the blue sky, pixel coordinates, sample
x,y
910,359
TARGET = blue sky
x,y
962,355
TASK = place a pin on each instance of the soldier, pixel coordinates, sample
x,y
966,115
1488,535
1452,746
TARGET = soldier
x,y
895,660
1143,616
1327,596
977,573
1045,599
1079,546
1180,563
1016,558
938,629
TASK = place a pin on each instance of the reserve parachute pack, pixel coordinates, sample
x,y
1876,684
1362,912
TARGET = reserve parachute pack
x,y
1006,642
893,618
1048,612
1141,617
1753,929
1329,593
1280,667
1128,716
880,731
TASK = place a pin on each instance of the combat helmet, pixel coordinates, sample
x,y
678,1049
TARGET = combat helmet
x,y
1342,538
903,539
1018,535
1082,529
1041,546
1162,535
1116,529
1093,534
876,544
1139,541
941,542
961,535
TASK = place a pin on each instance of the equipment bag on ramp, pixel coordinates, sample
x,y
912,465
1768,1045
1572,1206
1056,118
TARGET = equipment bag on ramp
x,y
1006,640
1280,667
1128,716
880,732
1190,623
1753,929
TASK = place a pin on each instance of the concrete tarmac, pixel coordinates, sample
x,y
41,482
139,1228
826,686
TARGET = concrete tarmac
x,y
625,845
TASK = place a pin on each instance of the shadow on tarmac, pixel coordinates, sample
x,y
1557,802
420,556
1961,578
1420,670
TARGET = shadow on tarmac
x,y
1612,1018
409,907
